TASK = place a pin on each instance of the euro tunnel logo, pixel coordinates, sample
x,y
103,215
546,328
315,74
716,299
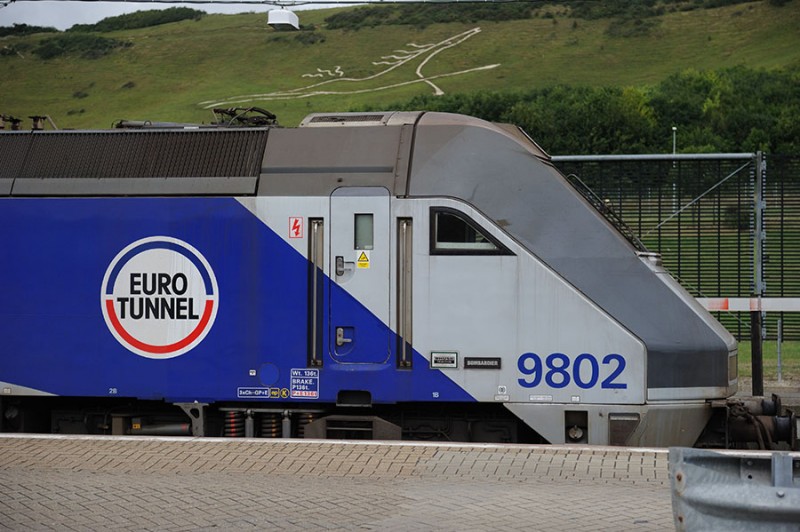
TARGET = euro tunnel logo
x,y
159,297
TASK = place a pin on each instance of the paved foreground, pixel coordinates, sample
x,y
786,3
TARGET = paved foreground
x,y
102,483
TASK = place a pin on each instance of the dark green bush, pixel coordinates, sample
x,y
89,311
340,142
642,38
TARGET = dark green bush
x,y
421,15
631,27
309,37
140,19
14,49
730,110
17,30
83,45
632,13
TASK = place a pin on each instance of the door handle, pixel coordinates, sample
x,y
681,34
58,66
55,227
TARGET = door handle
x,y
339,265
340,339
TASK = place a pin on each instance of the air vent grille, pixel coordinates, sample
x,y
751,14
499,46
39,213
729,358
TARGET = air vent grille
x,y
330,119
134,154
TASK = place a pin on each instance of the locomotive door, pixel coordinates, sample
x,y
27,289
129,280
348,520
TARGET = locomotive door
x,y
359,291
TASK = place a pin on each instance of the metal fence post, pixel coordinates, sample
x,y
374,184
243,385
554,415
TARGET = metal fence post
x,y
756,336
756,356
780,347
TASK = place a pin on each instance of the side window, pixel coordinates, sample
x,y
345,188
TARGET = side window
x,y
455,233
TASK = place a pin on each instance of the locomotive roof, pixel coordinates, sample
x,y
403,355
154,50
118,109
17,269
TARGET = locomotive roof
x,y
327,151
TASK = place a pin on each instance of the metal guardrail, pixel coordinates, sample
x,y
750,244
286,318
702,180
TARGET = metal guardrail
x,y
735,490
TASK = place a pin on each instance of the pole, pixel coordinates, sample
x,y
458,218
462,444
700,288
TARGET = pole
x,y
756,335
780,342
674,140
756,355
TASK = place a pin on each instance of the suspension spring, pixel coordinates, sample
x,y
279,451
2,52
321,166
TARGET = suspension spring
x,y
271,425
234,425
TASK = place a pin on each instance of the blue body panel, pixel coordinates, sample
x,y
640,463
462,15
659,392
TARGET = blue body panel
x,y
54,254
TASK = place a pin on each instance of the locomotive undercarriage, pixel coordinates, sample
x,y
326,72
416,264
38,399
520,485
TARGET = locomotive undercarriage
x,y
120,417
755,422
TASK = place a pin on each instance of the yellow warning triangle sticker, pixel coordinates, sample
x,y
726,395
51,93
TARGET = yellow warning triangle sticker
x,y
363,261
363,257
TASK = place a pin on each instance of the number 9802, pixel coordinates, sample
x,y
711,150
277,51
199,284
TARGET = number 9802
x,y
559,370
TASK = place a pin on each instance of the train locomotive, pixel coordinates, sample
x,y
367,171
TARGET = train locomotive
x,y
412,275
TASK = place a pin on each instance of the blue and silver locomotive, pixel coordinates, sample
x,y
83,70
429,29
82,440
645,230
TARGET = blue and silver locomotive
x,y
393,275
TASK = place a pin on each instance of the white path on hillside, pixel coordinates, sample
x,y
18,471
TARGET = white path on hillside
x,y
321,73
393,61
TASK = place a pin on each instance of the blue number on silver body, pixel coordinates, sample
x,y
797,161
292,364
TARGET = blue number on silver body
x,y
594,371
585,371
535,372
608,382
557,365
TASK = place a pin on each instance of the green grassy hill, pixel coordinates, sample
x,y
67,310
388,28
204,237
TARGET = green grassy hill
x,y
178,71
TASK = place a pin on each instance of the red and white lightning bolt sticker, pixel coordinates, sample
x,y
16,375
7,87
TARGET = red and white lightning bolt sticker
x,y
296,227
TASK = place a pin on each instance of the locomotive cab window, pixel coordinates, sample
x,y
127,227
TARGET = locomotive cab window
x,y
455,233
